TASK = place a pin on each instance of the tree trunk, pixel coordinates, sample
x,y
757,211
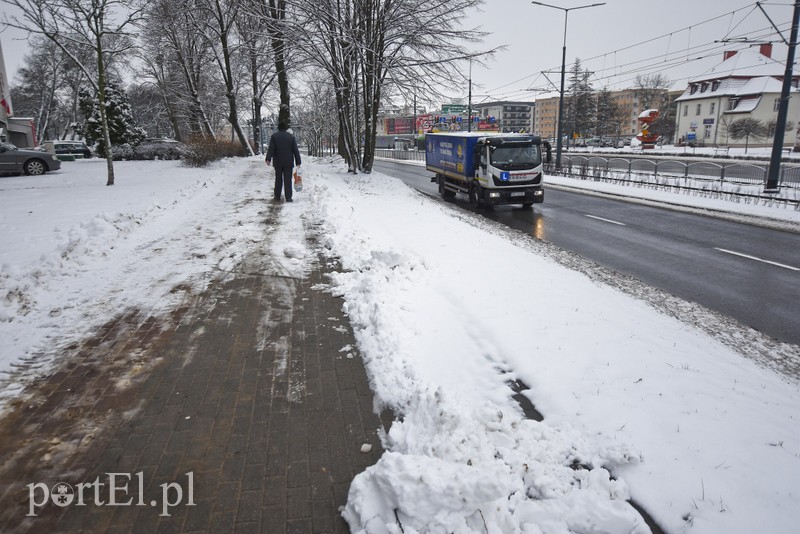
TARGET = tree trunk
x,y
277,12
101,97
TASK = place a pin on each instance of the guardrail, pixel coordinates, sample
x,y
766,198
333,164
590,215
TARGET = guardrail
x,y
653,169
407,155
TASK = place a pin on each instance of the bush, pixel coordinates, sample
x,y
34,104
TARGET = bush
x,y
157,149
200,151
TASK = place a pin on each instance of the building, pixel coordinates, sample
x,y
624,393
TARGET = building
x,y
545,117
747,83
509,116
15,130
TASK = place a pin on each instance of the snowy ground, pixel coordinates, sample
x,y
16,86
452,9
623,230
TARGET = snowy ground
x,y
448,309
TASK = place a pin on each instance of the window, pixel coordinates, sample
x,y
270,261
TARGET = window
x,y
693,89
685,110
707,131
776,106
699,108
732,103
713,106
715,85
704,87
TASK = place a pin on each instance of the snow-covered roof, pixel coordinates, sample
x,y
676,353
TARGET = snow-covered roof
x,y
748,62
745,105
746,72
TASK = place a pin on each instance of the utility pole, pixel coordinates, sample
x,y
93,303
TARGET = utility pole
x,y
566,11
469,100
773,176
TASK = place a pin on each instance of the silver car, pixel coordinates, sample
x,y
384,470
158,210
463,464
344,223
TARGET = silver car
x,y
14,160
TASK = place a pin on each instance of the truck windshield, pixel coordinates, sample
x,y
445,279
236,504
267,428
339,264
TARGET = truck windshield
x,y
516,157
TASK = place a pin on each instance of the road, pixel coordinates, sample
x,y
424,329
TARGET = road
x,y
746,272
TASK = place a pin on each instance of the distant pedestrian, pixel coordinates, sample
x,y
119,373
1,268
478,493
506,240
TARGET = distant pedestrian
x,y
283,153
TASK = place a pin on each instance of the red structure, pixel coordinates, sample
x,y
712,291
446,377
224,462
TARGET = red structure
x,y
647,138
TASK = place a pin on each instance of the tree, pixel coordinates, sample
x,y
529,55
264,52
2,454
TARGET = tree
x,y
772,126
652,91
215,19
580,105
365,44
609,115
120,123
76,26
176,58
747,127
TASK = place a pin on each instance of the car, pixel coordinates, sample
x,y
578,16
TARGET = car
x,y
67,150
31,162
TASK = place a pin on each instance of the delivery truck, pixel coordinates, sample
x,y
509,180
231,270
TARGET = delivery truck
x,y
490,168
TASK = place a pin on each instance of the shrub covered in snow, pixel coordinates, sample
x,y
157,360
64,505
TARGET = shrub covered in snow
x,y
151,150
201,151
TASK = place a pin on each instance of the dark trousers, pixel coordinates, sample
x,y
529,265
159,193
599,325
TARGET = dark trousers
x,y
283,175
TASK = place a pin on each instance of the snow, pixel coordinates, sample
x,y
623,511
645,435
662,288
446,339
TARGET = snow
x,y
448,310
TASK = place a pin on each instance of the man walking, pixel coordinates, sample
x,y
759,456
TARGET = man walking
x,y
284,153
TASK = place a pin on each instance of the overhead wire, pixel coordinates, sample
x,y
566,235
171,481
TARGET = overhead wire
x,y
623,72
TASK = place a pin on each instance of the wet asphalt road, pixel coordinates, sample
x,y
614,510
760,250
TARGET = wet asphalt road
x,y
746,272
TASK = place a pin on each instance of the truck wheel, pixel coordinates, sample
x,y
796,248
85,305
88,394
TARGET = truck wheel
x,y
447,194
527,205
474,199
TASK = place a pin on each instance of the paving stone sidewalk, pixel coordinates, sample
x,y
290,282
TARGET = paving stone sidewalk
x,y
243,402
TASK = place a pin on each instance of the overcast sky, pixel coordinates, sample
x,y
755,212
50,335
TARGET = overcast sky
x,y
604,38
670,35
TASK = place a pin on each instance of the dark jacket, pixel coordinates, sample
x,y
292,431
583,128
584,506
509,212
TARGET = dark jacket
x,y
283,149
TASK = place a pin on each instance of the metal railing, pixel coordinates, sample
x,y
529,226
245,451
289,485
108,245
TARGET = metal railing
x,y
406,155
654,169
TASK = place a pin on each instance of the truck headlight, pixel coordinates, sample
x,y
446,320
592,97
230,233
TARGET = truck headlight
x,y
538,193
494,195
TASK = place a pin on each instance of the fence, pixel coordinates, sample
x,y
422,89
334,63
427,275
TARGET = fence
x,y
406,155
641,168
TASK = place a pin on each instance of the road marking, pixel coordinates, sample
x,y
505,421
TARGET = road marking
x,y
605,220
762,260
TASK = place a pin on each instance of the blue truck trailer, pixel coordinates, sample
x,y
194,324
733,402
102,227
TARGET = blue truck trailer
x,y
490,168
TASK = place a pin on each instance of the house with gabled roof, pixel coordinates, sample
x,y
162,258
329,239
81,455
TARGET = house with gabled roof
x,y
747,83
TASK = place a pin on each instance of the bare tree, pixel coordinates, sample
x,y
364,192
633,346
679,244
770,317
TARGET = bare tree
x,y
255,48
745,128
275,15
216,22
652,90
175,56
101,26
365,44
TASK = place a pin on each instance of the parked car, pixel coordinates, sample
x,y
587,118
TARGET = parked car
x,y
33,162
67,150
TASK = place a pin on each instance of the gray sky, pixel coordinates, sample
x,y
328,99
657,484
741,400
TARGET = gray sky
x,y
603,38
679,31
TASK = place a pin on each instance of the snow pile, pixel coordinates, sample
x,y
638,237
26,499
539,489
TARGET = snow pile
x,y
449,308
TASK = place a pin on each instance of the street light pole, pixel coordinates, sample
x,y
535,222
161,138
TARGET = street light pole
x,y
566,11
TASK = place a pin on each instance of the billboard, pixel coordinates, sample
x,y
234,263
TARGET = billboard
x,y
399,126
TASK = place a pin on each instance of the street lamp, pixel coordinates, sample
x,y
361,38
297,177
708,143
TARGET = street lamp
x,y
566,11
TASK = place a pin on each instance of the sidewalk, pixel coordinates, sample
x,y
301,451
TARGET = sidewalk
x,y
244,399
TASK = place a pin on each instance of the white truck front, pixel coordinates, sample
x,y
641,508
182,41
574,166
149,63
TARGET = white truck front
x,y
508,170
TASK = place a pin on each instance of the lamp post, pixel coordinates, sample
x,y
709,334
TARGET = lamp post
x,y
566,11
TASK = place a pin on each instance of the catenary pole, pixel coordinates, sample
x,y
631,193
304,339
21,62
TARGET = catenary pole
x,y
560,134
773,176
